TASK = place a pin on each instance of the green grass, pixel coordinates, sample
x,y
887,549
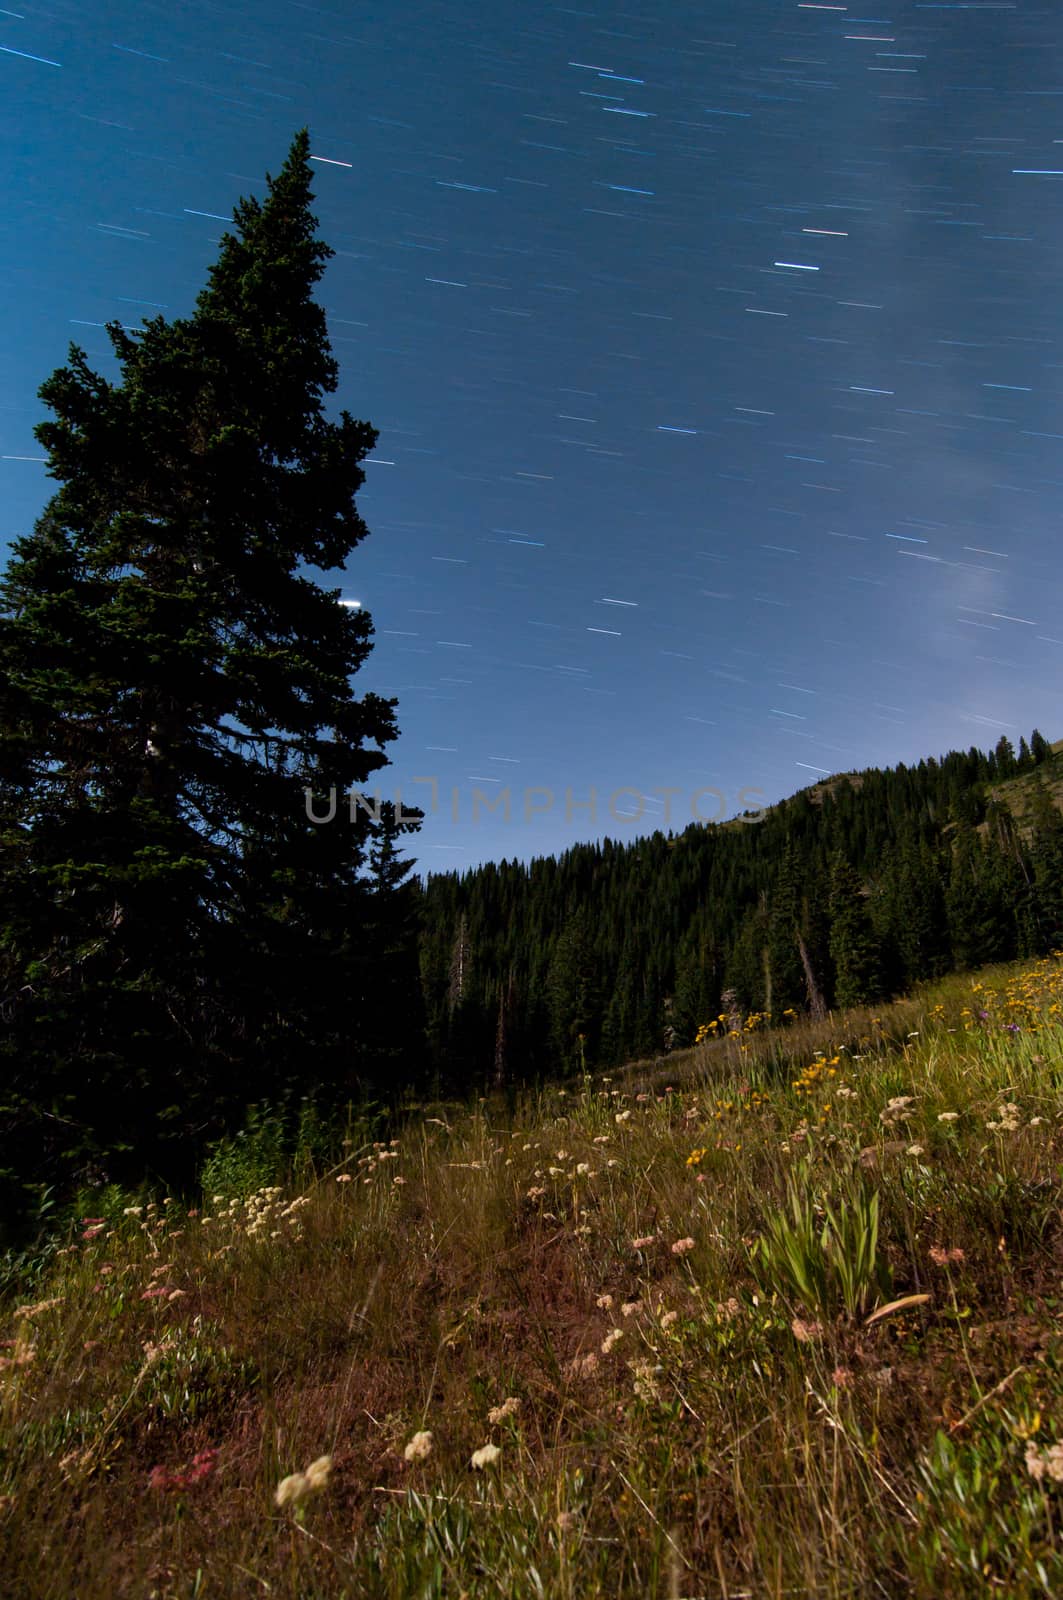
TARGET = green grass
x,y
781,1316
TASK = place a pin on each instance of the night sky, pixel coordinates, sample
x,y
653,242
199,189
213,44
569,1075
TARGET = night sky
x,y
716,353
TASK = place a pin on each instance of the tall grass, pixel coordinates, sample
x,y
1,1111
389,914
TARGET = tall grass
x,y
779,1316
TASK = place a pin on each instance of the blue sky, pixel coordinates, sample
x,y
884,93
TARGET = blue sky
x,y
716,353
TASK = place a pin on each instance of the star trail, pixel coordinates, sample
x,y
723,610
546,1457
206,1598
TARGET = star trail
x,y
716,353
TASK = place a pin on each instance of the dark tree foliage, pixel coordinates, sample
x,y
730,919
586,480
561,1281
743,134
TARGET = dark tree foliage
x,y
177,937
855,946
851,891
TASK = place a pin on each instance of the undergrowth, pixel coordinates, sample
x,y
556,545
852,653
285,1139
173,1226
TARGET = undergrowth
x,y
778,1316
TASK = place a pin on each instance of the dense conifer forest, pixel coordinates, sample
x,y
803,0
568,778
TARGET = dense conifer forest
x,y
848,892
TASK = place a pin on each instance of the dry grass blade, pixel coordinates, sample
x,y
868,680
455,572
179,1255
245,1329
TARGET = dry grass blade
x,y
902,1304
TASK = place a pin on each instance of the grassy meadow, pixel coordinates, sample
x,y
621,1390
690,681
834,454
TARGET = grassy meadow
x,y
778,1316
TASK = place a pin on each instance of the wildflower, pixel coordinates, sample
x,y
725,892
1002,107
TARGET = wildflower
x,y
644,1243
566,1521
669,1318
344,1177
941,1257
622,1116
842,1377
629,1308
506,1409
914,1150
682,1247
695,1157
604,1302
646,1374
486,1456
948,1116
805,1332
419,1447
1009,1119
41,1305
293,1489
896,1109
201,1467
611,1340
1049,1461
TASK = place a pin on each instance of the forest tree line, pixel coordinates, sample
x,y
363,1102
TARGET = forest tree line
x,y
847,893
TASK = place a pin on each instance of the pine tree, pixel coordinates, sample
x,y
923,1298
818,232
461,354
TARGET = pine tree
x,y
389,1002
981,916
176,928
786,982
1046,853
1040,749
574,995
1004,758
854,946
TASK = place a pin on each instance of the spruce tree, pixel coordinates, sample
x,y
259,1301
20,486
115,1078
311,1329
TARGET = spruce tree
x,y
574,995
1046,853
176,931
1040,749
786,978
854,946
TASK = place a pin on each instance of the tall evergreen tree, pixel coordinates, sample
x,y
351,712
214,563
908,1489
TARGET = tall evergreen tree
x,y
172,683
854,945
1047,870
574,995
1040,749
787,982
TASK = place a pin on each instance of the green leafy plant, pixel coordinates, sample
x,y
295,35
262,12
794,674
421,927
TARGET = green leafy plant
x,y
827,1265
250,1160
982,1513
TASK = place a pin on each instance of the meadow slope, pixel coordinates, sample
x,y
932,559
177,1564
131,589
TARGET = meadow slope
x,y
779,1316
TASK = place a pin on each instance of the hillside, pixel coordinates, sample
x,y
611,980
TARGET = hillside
x,y
1018,793
786,1322
851,890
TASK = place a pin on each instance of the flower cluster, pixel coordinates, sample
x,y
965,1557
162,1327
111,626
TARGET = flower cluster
x,y
1009,1119
168,1478
896,1110
262,1215
1045,1463
295,1488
